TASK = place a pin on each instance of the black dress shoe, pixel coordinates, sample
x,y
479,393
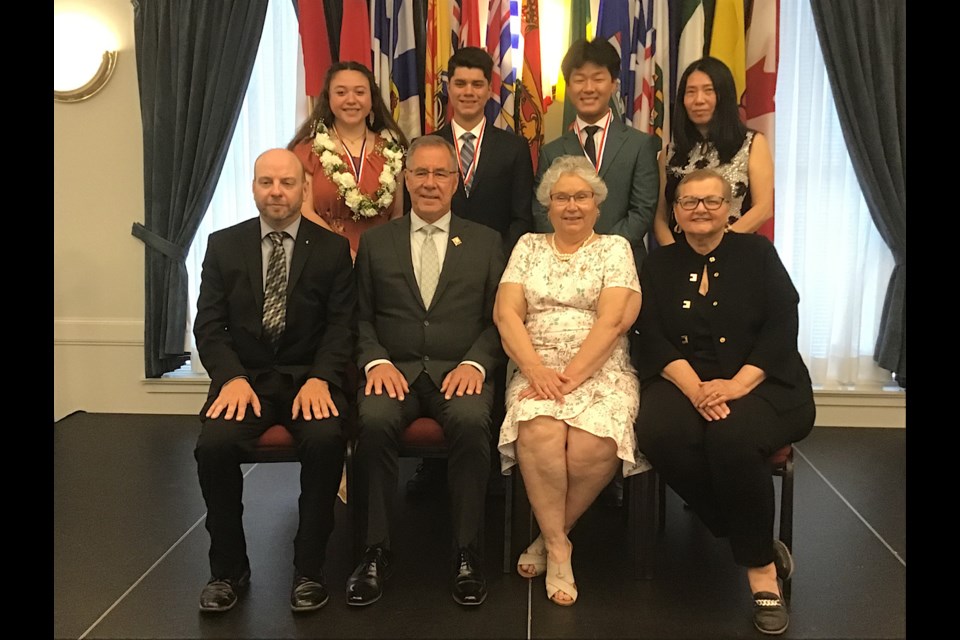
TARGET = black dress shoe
x,y
365,585
308,594
220,594
770,613
469,585
782,560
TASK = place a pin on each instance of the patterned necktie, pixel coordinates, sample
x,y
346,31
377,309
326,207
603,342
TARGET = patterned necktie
x,y
275,291
589,145
429,265
466,158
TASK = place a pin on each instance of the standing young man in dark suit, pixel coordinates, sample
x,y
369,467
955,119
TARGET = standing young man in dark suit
x,y
626,159
427,344
274,328
496,172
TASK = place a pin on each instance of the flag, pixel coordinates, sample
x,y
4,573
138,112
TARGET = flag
x,y
405,87
466,23
355,33
757,104
727,40
530,102
613,25
692,24
382,45
500,107
662,90
579,30
437,56
315,43
643,69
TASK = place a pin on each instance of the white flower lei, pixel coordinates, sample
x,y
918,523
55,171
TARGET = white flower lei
x,y
335,169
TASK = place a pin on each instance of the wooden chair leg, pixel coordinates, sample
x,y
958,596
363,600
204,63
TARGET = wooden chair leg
x,y
786,514
641,523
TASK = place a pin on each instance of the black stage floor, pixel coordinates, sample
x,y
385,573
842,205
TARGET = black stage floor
x,y
130,553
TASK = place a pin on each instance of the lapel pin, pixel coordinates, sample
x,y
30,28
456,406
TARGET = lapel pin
x,y
456,241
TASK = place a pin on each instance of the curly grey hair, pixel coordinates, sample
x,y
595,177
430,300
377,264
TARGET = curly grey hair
x,y
571,165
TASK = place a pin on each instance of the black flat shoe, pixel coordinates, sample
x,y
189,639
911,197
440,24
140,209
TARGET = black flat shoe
x,y
782,560
770,613
365,584
469,585
221,594
308,594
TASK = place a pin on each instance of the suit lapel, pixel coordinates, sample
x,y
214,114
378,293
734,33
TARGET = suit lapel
x,y
301,251
571,144
253,256
451,261
616,136
489,156
401,244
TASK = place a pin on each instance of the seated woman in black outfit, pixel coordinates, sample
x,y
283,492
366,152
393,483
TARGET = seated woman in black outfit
x,y
722,384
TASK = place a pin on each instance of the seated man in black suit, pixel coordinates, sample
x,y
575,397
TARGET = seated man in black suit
x,y
427,344
495,186
274,328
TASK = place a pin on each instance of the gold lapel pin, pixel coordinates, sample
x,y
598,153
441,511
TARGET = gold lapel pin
x,y
456,241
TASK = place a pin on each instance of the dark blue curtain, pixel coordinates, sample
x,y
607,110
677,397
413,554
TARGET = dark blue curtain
x,y
864,48
194,59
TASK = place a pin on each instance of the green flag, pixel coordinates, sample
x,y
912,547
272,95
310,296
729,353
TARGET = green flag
x,y
579,29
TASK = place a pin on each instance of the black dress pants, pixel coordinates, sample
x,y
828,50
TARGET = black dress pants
x,y
466,426
721,468
320,447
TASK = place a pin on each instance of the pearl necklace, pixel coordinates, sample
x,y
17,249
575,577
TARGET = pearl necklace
x,y
566,257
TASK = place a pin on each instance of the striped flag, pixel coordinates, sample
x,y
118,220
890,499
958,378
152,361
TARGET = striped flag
x,y
643,69
500,107
662,91
355,33
530,102
757,104
579,29
613,25
315,43
437,55
405,74
466,23
382,45
692,25
727,40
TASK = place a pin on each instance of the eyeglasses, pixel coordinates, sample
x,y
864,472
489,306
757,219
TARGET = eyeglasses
x,y
439,174
711,203
579,197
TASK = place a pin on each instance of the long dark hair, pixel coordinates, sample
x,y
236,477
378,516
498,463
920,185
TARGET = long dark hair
x,y
725,130
382,118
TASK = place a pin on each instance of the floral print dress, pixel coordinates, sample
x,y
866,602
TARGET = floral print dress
x,y
561,299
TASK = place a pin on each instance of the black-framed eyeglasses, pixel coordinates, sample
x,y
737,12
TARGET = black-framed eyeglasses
x,y
439,174
580,197
711,203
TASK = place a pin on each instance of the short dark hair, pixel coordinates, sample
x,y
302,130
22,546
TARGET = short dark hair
x,y
598,51
471,58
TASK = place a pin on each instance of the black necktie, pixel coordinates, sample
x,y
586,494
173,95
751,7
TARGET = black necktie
x,y
588,145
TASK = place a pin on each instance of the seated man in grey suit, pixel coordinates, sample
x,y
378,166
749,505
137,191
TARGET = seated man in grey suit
x,y
625,158
275,324
427,344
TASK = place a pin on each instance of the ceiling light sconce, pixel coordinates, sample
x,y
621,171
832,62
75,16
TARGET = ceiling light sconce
x,y
84,57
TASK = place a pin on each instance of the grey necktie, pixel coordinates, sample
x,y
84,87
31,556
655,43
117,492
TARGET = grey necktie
x,y
429,265
275,290
466,158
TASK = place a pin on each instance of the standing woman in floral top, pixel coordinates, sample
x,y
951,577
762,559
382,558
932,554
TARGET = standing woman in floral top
x,y
707,133
352,151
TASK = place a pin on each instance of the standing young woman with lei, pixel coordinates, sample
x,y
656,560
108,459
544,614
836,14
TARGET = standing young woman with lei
x,y
352,151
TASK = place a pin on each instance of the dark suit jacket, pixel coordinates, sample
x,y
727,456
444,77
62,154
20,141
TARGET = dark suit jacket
x,y
395,325
321,307
502,190
754,320
629,169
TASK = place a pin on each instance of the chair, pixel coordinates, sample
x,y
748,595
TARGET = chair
x,y
646,512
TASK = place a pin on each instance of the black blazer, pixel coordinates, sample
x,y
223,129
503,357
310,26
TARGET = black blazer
x,y
321,307
502,190
752,314
395,325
